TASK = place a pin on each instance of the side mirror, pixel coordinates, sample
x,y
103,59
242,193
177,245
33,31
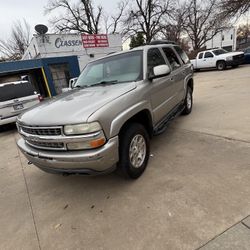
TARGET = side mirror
x,y
72,82
160,71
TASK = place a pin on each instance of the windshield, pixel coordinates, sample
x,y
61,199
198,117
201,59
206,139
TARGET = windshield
x,y
219,52
16,90
121,68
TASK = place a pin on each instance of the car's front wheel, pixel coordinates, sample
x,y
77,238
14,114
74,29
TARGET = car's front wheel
x,y
134,150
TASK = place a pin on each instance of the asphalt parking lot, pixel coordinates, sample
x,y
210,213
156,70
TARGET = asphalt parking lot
x,y
194,194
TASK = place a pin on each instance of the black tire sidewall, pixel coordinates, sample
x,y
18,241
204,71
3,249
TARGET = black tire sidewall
x,y
222,63
126,137
187,110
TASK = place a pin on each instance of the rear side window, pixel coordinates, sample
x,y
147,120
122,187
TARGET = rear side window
x,y
14,91
155,58
172,58
182,54
200,55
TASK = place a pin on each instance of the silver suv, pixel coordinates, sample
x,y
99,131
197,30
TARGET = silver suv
x,y
105,123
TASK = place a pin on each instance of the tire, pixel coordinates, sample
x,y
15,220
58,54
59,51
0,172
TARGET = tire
x,y
188,103
221,65
133,134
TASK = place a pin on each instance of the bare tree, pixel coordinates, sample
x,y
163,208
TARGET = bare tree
x,y
146,16
14,47
113,23
80,17
203,21
233,7
243,32
173,28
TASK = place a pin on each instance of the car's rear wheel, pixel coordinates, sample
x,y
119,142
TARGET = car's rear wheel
x,y
134,151
221,65
188,103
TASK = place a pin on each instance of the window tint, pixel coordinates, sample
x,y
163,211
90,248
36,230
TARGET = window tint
x,y
14,91
172,58
208,55
155,58
182,54
200,55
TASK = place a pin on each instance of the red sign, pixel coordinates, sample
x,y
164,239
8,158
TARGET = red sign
x,y
95,41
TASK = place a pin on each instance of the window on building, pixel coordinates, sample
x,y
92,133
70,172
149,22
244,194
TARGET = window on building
x,y
222,37
231,36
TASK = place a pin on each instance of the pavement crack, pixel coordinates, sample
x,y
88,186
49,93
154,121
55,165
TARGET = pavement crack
x,y
214,135
218,235
244,224
28,193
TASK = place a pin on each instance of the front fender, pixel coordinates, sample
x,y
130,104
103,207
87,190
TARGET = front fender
x,y
125,115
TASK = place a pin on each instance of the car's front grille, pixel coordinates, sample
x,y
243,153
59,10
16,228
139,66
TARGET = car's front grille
x,y
238,57
46,138
41,131
46,145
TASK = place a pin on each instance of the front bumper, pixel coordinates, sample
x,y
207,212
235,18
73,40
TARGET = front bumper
x,y
8,120
88,162
235,62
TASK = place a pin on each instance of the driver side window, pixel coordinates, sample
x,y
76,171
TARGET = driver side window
x,y
208,55
155,58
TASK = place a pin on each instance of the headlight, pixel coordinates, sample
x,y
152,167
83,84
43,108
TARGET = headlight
x,y
96,142
83,128
229,58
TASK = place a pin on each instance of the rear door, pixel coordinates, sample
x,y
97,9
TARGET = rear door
x,y
161,88
177,75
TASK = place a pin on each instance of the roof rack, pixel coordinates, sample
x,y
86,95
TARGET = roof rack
x,y
156,42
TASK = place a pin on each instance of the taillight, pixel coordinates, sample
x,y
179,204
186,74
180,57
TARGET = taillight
x,y
40,98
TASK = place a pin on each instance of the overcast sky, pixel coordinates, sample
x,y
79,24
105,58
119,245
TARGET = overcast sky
x,y
32,11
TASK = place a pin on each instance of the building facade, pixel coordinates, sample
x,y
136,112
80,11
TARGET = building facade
x,y
226,39
85,47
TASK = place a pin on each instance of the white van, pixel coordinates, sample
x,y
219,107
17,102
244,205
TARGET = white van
x,y
16,97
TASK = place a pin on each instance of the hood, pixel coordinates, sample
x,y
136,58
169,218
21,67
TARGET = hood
x,y
233,54
74,106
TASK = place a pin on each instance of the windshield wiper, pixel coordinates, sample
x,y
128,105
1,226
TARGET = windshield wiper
x,y
103,83
96,84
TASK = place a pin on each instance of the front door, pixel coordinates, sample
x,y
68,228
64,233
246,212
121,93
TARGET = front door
x,y
161,90
207,61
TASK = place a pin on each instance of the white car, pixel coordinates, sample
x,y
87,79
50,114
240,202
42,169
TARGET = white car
x,y
16,97
217,58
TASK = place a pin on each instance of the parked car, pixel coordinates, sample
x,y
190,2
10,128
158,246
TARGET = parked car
x,y
217,58
16,97
107,120
247,55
